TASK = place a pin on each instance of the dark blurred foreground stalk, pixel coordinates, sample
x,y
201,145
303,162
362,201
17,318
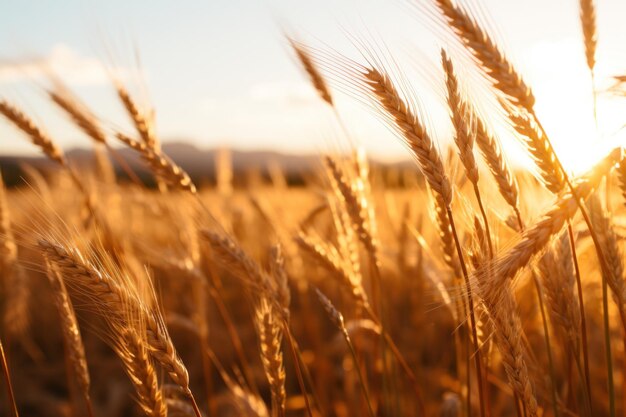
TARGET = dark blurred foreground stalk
x,y
7,378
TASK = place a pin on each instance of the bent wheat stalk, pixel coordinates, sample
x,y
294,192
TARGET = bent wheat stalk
x,y
337,318
113,300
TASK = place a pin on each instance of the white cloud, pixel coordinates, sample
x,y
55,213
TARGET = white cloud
x,y
63,61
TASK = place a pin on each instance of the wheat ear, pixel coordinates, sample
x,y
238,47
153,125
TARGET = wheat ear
x,y
557,275
328,257
500,169
590,36
270,338
138,366
77,112
162,166
13,277
71,334
309,66
502,309
464,136
113,300
491,59
8,247
279,273
412,130
143,124
356,207
36,135
608,239
535,238
230,255
539,147
445,236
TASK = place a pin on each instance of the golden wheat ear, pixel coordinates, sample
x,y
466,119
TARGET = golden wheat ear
x,y
461,119
112,298
489,57
393,100
139,368
75,350
535,238
311,69
499,302
557,276
500,169
163,168
538,146
36,135
76,111
13,277
269,329
142,121
590,36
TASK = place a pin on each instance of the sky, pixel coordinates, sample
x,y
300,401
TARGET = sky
x,y
219,73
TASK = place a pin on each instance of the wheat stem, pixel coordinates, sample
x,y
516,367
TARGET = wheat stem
x,y
544,322
7,380
583,318
470,303
298,369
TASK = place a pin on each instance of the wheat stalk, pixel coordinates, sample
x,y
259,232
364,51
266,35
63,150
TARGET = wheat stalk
x,y
337,319
7,379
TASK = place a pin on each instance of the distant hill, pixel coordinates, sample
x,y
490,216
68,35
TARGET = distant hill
x,y
199,163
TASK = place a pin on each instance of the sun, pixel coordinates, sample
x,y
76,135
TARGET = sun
x,y
565,106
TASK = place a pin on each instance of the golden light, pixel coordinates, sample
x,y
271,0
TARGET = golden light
x,y
565,105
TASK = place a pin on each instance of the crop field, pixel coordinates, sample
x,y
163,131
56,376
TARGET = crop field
x,y
464,285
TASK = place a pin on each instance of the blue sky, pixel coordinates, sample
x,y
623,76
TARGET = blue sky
x,y
218,71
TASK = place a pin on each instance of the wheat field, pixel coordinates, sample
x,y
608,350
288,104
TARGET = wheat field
x,y
472,287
